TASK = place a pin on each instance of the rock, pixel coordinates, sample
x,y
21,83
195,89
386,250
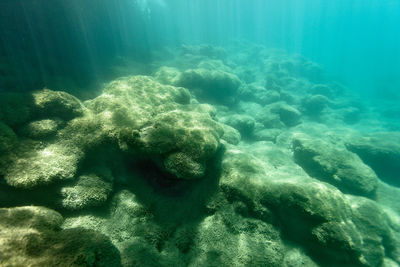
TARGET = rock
x,y
267,135
380,151
187,139
88,191
231,135
339,167
328,225
322,89
257,93
214,85
58,104
41,129
31,236
287,114
243,123
36,165
167,75
224,239
158,121
315,104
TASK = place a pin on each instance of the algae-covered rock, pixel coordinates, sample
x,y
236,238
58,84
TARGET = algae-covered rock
x,y
289,115
227,239
259,94
231,135
381,151
328,225
31,236
57,104
194,134
215,85
88,191
337,166
41,129
315,104
37,165
243,123
167,75
158,121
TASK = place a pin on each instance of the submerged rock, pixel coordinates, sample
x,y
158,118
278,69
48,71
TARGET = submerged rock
x,y
231,135
88,191
57,104
36,165
31,236
41,129
381,151
337,166
214,85
158,121
243,123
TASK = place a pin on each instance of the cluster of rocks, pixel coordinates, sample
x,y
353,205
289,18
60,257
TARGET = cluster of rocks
x,y
146,175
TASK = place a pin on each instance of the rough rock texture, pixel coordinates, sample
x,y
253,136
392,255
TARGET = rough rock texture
x,y
57,104
231,135
330,226
41,129
31,236
158,121
36,164
381,151
88,191
336,166
243,123
315,104
215,85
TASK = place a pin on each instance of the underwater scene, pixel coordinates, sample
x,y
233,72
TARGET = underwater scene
x,y
200,133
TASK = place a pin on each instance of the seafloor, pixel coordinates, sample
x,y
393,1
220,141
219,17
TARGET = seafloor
x,y
242,156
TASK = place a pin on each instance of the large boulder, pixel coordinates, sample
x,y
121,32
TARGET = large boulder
x,y
334,165
59,104
381,151
214,85
157,121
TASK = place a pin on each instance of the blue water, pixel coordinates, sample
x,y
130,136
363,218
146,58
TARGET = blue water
x,y
355,41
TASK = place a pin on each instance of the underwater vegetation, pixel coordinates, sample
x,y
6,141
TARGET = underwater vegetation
x,y
216,156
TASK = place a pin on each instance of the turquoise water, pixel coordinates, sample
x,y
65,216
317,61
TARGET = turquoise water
x,y
199,133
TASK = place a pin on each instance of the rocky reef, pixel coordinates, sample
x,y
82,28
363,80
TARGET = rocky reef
x,y
236,156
